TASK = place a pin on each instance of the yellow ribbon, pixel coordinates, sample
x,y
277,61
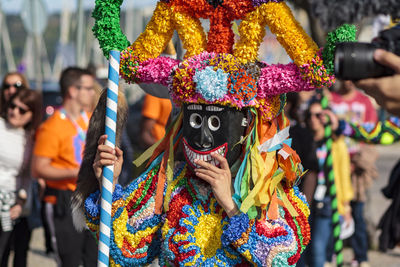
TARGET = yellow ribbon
x,y
265,186
170,170
260,170
286,201
147,154
170,163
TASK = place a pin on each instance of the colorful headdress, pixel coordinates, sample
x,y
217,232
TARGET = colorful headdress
x,y
218,70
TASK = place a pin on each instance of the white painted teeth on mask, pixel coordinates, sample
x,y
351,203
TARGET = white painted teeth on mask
x,y
221,151
189,153
194,107
192,156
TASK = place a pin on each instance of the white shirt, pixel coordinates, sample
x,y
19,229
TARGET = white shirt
x,y
12,145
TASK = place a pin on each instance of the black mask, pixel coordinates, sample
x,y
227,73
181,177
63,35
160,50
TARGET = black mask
x,y
212,128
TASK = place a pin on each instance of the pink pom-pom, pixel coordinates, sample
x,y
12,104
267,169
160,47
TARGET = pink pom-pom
x,y
279,79
156,70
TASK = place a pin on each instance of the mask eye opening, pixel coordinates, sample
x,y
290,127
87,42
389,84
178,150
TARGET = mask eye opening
x,y
195,120
214,123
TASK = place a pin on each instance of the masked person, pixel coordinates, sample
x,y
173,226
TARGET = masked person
x,y
219,188
198,209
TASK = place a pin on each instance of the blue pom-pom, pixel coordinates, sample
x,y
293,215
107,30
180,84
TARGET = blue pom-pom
x,y
211,84
238,224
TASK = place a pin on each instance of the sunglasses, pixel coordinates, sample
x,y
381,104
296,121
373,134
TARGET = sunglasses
x,y
21,110
316,114
17,85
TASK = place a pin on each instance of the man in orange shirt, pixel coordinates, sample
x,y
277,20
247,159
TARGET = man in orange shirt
x,y
58,153
155,115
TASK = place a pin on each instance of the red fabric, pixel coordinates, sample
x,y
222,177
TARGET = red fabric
x,y
357,109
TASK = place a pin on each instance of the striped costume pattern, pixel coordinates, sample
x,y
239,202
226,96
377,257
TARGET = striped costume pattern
x,y
384,132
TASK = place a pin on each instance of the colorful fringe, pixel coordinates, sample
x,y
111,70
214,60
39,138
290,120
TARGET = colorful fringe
x,y
384,133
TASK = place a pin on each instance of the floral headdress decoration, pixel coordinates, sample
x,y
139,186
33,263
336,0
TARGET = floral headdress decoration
x,y
218,70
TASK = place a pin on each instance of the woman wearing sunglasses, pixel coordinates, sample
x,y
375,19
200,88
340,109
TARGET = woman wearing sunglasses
x,y
320,249
17,128
12,82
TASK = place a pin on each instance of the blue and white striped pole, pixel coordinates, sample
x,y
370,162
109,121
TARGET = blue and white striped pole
x,y
108,171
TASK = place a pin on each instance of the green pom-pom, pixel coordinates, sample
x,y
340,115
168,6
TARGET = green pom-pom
x,y
344,33
107,28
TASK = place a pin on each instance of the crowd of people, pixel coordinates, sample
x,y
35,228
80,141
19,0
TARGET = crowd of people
x,y
41,164
48,155
20,117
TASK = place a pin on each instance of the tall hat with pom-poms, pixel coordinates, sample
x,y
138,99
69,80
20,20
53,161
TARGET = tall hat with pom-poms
x,y
219,70
216,69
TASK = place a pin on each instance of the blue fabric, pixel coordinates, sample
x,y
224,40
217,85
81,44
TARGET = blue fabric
x,y
321,240
359,240
320,248
238,224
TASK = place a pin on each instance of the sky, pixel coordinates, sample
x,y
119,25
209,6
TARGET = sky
x,y
14,6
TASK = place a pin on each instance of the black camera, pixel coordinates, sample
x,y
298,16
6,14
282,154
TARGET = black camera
x,y
355,61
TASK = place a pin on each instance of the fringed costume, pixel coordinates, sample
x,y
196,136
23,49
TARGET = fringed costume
x,y
167,212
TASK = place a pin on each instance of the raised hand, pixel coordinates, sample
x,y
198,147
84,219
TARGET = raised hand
x,y
106,156
385,90
220,180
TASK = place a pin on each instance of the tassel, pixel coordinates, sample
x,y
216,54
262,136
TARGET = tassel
x,y
165,147
167,164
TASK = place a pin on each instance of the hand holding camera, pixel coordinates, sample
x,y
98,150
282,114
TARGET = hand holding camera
x,y
355,61
375,67
385,90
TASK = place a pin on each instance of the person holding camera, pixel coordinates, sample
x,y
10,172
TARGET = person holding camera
x,y
385,90
373,67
